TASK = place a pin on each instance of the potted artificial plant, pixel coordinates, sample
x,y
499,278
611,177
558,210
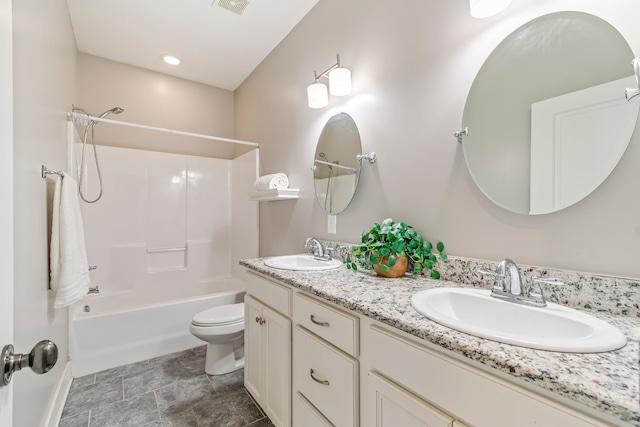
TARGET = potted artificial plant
x,y
389,247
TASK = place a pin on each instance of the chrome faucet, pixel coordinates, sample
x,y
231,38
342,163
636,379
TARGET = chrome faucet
x,y
95,290
515,282
516,292
319,251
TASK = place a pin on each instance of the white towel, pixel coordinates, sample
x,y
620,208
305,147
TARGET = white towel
x,y
275,180
67,257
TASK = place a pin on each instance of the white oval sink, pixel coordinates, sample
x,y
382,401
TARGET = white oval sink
x,y
554,327
302,262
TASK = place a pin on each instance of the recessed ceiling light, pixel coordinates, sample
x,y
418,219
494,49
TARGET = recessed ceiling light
x,y
172,60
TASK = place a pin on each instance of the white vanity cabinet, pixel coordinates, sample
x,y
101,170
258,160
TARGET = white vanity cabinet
x,y
325,365
267,372
311,363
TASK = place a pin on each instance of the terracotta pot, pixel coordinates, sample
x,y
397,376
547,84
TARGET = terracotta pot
x,y
398,270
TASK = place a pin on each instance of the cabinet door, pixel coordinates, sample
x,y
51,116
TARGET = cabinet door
x,y
391,406
253,360
305,415
276,341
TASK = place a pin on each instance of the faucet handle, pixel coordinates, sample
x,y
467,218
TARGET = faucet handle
x,y
547,280
535,291
498,285
329,252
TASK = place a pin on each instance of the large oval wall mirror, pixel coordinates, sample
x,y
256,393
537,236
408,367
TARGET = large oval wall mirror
x,y
547,116
336,168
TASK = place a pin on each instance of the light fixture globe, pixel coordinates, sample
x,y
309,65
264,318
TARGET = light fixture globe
x,y
486,8
317,95
340,81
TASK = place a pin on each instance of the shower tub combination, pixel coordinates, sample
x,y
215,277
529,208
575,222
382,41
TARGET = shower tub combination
x,y
163,237
125,327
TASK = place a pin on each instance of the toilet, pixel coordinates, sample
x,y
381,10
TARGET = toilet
x,y
222,328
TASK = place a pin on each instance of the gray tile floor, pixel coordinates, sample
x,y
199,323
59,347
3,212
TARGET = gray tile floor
x,y
168,391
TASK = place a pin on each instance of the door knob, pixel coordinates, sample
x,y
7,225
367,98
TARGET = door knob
x,y
41,360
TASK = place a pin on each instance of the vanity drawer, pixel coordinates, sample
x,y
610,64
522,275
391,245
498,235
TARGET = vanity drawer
x,y
270,293
326,377
305,415
331,324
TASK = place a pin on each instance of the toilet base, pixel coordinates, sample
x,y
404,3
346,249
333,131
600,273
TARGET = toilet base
x,y
223,358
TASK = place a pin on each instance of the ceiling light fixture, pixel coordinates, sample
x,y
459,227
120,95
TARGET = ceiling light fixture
x,y
171,60
487,8
339,85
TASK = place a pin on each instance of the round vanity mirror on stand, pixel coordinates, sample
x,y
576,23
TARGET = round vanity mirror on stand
x,y
547,116
336,166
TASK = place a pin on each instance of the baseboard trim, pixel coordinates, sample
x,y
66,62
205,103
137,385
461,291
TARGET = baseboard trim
x,y
54,413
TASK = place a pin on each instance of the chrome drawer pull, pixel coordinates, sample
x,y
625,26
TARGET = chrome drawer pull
x,y
313,319
313,377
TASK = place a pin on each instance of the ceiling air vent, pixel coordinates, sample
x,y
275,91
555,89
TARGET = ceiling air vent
x,y
235,6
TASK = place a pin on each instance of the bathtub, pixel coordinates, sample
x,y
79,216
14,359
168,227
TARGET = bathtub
x,y
126,327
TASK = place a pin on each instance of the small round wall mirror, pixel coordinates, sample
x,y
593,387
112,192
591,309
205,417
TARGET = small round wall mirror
x,y
547,115
336,168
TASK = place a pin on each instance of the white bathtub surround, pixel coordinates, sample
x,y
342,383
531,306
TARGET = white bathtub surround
x,y
162,237
68,255
602,382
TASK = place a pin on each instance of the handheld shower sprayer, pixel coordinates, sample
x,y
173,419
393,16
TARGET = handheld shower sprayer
x,y
90,125
114,110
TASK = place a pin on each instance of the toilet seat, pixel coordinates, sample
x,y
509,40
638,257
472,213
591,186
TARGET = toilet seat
x,y
220,315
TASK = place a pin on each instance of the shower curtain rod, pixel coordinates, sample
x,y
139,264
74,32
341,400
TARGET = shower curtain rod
x,y
84,119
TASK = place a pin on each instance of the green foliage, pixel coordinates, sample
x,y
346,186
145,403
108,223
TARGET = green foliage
x,y
394,239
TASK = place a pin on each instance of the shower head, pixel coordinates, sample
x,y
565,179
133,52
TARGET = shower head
x,y
114,110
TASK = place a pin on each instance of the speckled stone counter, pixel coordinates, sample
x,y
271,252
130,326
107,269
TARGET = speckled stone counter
x,y
607,382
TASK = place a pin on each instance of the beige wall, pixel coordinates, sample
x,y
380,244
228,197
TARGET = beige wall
x,y
154,99
412,67
44,87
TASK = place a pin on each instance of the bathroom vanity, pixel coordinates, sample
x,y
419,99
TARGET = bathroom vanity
x,y
346,348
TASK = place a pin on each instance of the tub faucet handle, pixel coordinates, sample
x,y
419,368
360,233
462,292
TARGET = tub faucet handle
x,y
93,267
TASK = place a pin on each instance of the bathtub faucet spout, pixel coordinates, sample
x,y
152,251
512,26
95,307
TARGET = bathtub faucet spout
x,y
95,290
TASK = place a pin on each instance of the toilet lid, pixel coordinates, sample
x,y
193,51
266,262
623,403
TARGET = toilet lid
x,y
220,315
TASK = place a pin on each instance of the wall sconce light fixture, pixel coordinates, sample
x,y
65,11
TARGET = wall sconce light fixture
x,y
339,85
487,8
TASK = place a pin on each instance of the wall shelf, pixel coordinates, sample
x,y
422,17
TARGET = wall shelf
x,y
274,194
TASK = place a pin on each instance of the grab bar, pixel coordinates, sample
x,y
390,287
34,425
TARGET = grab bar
x,y
163,250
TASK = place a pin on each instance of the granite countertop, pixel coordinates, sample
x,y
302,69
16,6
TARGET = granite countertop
x,y
606,382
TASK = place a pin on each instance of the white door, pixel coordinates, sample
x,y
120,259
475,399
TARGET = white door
x,y
6,199
577,140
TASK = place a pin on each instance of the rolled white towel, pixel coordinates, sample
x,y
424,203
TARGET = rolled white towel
x,y
275,180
